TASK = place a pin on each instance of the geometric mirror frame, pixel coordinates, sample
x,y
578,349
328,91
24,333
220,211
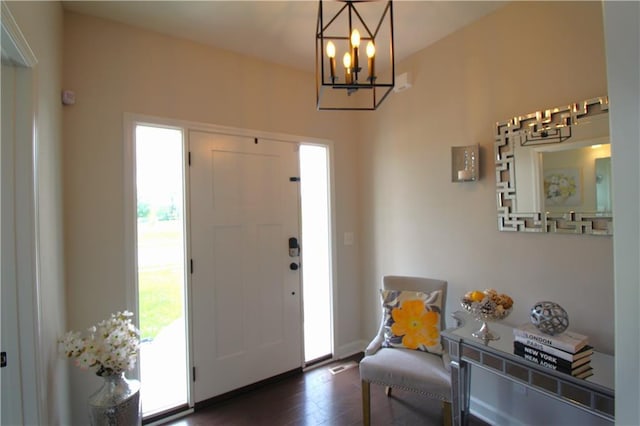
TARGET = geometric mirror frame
x,y
583,123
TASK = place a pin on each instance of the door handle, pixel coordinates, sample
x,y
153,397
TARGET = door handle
x,y
293,266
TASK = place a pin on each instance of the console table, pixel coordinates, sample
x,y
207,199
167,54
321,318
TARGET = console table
x,y
594,394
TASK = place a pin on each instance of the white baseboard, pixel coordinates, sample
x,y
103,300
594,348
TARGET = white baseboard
x,y
349,349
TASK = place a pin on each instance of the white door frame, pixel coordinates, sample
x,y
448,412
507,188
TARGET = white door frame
x,y
130,120
17,53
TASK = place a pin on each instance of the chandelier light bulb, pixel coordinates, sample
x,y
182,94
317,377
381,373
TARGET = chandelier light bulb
x,y
371,50
355,44
331,50
355,38
346,60
331,53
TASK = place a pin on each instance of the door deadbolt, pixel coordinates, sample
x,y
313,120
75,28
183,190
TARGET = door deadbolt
x,y
293,266
294,247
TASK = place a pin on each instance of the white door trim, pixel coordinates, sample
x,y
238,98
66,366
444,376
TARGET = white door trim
x,y
16,50
224,130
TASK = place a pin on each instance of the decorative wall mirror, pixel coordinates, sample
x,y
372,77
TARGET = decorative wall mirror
x,y
553,170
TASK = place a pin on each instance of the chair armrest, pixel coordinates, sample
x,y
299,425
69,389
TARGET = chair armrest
x,y
376,343
374,346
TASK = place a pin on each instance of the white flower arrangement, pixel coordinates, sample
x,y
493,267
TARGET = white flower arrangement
x,y
112,345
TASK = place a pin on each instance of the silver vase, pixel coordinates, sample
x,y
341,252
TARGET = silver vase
x,y
116,403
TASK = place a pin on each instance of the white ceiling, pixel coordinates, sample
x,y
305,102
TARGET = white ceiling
x,y
280,31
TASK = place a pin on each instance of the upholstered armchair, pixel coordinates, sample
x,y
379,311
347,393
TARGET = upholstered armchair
x,y
414,370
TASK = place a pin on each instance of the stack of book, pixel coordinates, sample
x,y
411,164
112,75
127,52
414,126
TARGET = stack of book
x,y
567,352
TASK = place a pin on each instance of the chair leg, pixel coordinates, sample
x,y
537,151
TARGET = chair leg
x,y
366,403
387,390
446,413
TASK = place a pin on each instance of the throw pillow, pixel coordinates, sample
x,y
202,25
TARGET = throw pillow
x,y
412,320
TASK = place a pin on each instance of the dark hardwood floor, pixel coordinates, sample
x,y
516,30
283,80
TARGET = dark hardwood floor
x,y
317,397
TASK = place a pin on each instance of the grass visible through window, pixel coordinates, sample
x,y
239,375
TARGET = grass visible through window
x,y
160,300
160,276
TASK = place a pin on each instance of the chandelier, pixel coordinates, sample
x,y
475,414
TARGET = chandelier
x,y
366,74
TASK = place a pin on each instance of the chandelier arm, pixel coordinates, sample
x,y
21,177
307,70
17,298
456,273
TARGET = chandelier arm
x,y
351,9
383,98
332,19
386,10
319,56
319,21
391,47
364,23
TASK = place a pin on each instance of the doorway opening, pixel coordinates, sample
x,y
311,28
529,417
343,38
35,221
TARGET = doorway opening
x,y
159,168
316,252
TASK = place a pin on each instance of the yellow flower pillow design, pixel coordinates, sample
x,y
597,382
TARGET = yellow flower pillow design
x,y
412,320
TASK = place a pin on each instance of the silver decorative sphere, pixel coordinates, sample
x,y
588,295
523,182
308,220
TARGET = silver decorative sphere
x,y
549,317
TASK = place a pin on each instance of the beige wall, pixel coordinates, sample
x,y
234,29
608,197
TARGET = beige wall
x,y
526,56
41,25
116,69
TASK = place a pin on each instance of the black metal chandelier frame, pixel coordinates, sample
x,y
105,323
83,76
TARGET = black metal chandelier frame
x,y
324,33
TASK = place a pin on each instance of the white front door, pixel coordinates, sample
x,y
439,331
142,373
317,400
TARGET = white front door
x,y
246,301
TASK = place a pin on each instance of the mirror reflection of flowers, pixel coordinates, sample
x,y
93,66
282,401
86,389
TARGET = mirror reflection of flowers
x,y
111,347
559,185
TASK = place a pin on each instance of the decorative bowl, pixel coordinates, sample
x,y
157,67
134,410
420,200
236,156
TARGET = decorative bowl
x,y
491,307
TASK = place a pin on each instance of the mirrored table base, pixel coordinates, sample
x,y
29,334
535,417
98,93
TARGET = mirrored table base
x,y
594,395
